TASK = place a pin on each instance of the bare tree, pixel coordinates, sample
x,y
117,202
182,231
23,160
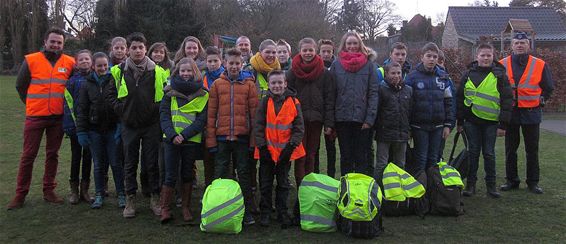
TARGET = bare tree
x,y
79,14
16,24
375,17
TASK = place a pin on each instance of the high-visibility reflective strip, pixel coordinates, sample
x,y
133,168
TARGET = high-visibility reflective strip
x,y
486,109
357,211
411,186
373,192
181,124
318,220
277,145
505,63
529,74
48,95
390,174
47,81
278,126
391,186
70,104
451,174
223,218
191,116
319,185
537,97
221,206
484,96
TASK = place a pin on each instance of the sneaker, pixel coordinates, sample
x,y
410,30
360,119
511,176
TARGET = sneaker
x,y
121,200
130,209
248,219
98,199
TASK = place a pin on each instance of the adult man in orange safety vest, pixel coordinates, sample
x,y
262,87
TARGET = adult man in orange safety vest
x,y
41,86
531,81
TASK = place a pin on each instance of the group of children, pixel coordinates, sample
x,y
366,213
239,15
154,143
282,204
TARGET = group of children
x,y
233,108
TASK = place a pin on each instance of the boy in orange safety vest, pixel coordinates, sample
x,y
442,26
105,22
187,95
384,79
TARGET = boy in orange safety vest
x,y
278,133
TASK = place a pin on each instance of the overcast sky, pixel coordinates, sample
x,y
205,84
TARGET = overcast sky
x,y
432,8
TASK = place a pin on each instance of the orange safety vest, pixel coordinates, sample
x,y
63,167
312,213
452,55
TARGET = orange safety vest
x,y
278,129
46,92
205,82
527,90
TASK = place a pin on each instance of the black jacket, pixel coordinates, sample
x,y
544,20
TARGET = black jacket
x,y
298,130
394,112
93,111
477,75
138,109
317,97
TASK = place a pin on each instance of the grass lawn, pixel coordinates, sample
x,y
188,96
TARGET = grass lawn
x,y
518,216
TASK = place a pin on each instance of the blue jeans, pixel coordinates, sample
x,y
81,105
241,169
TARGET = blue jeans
x,y
427,146
103,148
186,155
481,137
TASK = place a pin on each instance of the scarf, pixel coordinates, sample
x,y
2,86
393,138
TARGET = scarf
x,y
138,69
307,71
260,66
352,62
186,87
287,65
213,75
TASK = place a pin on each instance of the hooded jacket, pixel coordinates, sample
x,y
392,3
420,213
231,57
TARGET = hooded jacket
x,y
184,93
231,109
432,98
393,116
298,130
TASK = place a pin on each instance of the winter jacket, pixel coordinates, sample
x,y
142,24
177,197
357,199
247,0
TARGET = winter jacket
x,y
93,111
298,130
356,93
138,109
432,98
317,97
393,116
165,114
231,109
477,75
73,86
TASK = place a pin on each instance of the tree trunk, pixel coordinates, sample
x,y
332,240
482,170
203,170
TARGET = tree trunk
x,y
16,19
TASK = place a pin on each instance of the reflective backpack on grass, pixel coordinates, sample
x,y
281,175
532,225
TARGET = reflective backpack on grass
x,y
445,190
318,195
222,207
359,205
404,194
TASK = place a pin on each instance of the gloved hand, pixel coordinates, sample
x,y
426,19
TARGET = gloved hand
x,y
118,132
264,154
213,149
83,138
285,155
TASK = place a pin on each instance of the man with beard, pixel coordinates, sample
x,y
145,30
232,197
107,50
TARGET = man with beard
x,y
41,86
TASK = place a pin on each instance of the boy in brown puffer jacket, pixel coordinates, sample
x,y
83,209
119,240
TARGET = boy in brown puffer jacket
x,y
231,110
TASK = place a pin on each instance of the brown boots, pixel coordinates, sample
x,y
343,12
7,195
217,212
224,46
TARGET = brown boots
x,y
74,196
165,201
186,196
84,191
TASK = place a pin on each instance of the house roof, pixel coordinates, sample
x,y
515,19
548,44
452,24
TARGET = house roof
x,y
473,22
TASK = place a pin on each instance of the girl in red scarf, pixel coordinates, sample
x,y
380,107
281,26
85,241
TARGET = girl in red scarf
x,y
356,104
316,91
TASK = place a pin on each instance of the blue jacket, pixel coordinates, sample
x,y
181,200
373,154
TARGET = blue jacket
x,y
433,100
73,86
357,95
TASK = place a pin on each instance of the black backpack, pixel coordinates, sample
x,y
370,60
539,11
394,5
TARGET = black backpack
x,y
411,206
444,200
360,229
461,161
